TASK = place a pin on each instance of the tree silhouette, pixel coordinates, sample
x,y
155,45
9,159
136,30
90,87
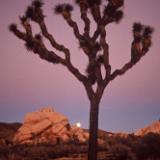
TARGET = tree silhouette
x,y
95,47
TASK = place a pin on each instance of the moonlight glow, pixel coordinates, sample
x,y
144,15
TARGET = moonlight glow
x,y
78,124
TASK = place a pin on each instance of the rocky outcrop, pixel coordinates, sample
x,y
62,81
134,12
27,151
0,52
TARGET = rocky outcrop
x,y
152,128
48,126
79,134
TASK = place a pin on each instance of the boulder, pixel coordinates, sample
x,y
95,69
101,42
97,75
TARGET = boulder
x,y
37,124
48,126
79,134
152,128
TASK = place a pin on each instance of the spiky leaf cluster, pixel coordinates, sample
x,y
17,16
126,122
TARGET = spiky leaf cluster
x,y
118,16
33,45
147,31
12,27
30,44
147,36
34,12
68,8
116,3
137,27
58,9
113,11
29,12
142,41
37,3
91,49
137,32
82,2
38,37
63,7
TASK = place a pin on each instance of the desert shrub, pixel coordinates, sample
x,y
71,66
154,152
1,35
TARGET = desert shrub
x,y
122,152
67,149
46,151
3,150
148,146
38,153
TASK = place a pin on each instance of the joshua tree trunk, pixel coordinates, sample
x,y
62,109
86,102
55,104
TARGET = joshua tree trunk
x,y
93,130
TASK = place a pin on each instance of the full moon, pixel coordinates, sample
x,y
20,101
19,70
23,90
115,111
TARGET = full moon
x,y
78,124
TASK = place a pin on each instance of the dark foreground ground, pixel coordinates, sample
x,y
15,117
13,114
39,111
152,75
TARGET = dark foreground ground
x,y
116,147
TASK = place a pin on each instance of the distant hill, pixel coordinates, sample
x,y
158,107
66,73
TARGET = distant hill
x,y
8,130
152,128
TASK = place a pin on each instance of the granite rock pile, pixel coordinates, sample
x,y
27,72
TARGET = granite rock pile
x,y
48,126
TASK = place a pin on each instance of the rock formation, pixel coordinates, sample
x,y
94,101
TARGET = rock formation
x,y
48,126
152,128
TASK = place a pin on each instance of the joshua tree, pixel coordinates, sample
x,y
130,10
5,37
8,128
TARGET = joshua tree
x,y
94,46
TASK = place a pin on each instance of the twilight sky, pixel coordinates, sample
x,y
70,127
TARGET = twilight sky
x,y
28,83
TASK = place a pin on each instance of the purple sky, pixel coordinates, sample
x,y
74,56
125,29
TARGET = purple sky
x,y
28,83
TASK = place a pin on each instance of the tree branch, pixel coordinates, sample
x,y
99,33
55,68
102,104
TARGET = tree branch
x,y
66,51
74,25
38,46
51,39
40,49
20,35
95,11
75,72
140,46
121,71
126,67
105,50
83,10
104,21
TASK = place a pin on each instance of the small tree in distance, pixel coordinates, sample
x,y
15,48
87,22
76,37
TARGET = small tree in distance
x,y
95,47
